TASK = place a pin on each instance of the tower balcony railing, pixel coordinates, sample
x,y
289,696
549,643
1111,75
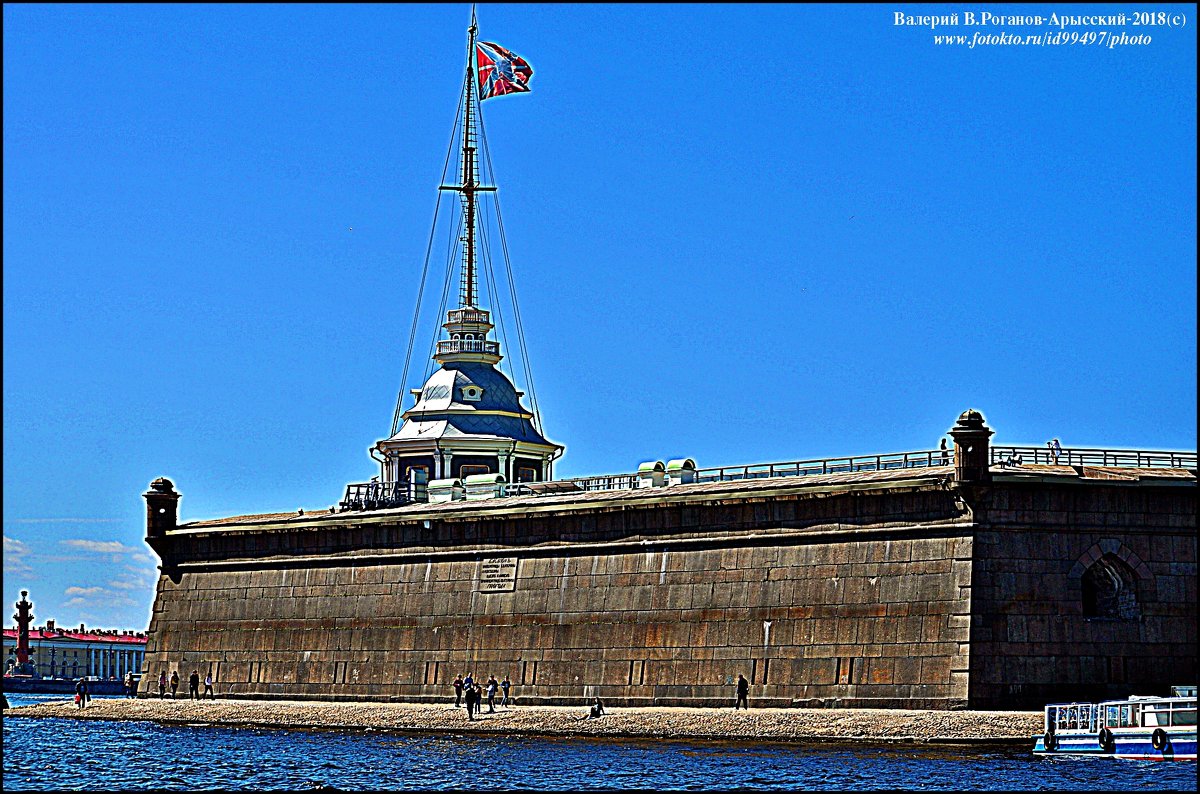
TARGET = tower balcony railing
x,y
467,346
469,316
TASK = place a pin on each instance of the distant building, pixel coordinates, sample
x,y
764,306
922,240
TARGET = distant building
x,y
72,653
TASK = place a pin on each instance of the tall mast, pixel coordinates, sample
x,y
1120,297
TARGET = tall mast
x,y
470,176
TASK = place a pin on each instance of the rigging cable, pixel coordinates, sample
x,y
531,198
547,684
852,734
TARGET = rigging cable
x,y
487,153
421,289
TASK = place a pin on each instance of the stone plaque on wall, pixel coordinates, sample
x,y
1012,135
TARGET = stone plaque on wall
x,y
498,575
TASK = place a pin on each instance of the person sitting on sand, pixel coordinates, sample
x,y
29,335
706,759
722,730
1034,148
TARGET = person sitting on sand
x,y
597,709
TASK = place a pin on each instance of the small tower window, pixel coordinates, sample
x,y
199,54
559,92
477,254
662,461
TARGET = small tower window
x,y
1110,590
526,474
472,393
470,468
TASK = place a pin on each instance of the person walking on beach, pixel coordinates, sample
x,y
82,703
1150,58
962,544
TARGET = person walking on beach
x,y
194,686
208,690
81,693
743,693
458,689
504,685
174,683
130,689
162,684
492,685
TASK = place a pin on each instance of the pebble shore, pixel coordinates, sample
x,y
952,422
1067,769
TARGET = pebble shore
x,y
723,724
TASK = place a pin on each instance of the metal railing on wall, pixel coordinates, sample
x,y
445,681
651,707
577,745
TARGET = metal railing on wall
x,y
1076,456
379,495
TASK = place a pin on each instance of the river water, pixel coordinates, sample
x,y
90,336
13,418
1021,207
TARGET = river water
x,y
54,754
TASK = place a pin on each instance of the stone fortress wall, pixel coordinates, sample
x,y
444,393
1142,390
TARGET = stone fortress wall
x,y
914,589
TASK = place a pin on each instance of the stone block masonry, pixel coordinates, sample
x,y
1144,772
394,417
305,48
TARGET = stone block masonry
x,y
821,614
883,589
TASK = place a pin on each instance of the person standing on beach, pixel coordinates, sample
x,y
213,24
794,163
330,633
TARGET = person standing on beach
x,y
471,700
458,688
130,689
194,686
174,683
162,684
81,693
504,685
492,685
743,693
208,690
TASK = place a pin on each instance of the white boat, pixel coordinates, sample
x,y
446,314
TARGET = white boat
x,y
1141,726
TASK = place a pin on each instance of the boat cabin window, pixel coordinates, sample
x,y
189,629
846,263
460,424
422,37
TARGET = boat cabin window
x,y
1169,713
1120,716
1076,717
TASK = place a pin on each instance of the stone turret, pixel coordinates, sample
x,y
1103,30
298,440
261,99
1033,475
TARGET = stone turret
x,y
971,455
162,508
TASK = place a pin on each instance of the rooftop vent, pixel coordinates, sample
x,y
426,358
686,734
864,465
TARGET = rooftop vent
x,y
448,490
681,471
651,474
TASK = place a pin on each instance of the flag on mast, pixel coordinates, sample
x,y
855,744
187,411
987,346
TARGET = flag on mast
x,y
500,71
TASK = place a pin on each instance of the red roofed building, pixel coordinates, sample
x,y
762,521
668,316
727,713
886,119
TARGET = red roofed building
x,y
72,653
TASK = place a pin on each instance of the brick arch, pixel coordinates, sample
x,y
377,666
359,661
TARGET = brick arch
x,y
1120,551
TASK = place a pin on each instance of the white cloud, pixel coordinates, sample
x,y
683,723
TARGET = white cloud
x,y
83,590
100,546
15,553
62,520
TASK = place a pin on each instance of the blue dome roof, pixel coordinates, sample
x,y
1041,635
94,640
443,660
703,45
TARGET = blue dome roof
x,y
442,410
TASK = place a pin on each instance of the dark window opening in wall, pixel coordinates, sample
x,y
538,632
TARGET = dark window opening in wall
x,y
526,474
845,670
1110,590
469,468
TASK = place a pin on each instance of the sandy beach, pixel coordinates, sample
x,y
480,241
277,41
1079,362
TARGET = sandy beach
x,y
708,724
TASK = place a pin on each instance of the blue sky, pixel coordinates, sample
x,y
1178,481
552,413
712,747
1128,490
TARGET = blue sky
x,y
739,233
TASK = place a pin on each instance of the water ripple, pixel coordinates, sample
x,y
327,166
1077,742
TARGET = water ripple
x,y
55,754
